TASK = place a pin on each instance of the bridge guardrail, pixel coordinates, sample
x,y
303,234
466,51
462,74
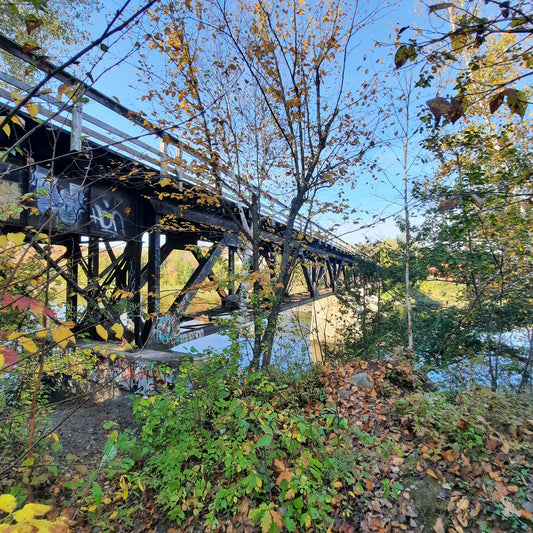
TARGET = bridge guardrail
x,y
66,114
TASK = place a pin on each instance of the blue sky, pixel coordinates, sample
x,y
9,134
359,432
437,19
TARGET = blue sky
x,y
377,198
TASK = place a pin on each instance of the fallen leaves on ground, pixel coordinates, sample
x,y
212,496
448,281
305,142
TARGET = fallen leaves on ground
x,y
405,475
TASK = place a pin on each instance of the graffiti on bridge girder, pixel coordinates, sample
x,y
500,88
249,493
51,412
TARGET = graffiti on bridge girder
x,y
74,206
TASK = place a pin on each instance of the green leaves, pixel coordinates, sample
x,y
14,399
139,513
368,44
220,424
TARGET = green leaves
x,y
230,434
265,440
404,54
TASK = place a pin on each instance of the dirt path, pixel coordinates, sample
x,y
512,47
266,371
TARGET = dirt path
x,y
80,423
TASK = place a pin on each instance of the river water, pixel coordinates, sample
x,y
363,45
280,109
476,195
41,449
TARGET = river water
x,y
302,335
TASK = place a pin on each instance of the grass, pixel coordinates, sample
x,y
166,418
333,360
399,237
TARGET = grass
x,y
442,292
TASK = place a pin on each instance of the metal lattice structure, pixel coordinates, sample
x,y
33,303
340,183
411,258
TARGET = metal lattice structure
x,y
90,185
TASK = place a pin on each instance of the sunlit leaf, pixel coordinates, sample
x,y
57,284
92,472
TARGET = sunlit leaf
x,y
30,510
459,40
118,329
18,120
102,332
8,503
6,128
65,88
28,345
16,238
33,109
46,526
62,335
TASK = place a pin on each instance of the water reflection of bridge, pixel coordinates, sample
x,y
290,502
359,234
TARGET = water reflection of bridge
x,y
98,190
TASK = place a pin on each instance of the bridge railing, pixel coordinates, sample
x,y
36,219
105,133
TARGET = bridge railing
x,y
151,147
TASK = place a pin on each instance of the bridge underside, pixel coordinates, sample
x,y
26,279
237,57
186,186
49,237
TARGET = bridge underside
x,y
112,223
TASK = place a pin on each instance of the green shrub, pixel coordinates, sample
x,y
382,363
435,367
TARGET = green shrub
x,y
222,442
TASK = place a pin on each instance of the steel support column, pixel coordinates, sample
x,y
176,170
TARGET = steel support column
x,y
231,270
154,271
133,253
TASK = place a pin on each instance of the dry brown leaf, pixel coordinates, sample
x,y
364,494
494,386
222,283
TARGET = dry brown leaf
x,y
451,503
245,507
463,504
439,526
286,475
476,510
500,459
492,443
280,465
526,514
448,456
431,473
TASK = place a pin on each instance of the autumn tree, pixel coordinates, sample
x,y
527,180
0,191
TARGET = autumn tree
x,y
262,89
483,191
460,35
32,333
46,28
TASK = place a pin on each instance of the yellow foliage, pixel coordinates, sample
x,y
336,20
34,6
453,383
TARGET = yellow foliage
x,y
28,345
6,128
62,335
7,503
118,330
30,511
16,238
25,518
45,526
18,120
102,332
33,109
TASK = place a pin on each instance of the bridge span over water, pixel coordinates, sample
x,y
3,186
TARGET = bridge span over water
x,y
97,190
